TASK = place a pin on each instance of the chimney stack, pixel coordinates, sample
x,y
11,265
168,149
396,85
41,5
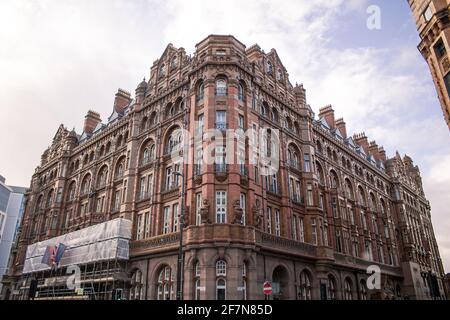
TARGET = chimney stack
x,y
373,150
340,124
121,101
328,113
361,140
382,154
91,121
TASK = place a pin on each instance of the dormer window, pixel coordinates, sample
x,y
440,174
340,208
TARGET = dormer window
x,y
174,63
269,67
162,70
279,75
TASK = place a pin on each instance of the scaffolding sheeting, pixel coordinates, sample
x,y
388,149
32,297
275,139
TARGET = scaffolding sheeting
x,y
105,241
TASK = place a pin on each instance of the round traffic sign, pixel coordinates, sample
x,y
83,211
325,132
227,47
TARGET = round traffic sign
x,y
267,288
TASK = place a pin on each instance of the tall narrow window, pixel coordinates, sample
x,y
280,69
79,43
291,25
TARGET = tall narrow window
x,y
310,195
301,230
147,224
269,220
244,281
169,171
220,158
243,204
241,122
221,207
294,228
277,223
307,162
314,231
221,120
166,220
198,207
175,214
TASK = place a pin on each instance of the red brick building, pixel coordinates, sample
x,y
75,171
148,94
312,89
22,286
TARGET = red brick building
x,y
433,24
336,207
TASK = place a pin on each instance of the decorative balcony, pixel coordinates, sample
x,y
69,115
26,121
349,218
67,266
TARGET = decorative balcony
x,y
221,171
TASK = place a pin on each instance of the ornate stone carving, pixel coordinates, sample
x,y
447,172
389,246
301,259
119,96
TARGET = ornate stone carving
x,y
238,212
204,212
257,216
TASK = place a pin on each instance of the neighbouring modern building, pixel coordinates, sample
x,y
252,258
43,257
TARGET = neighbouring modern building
x,y
336,207
11,210
433,23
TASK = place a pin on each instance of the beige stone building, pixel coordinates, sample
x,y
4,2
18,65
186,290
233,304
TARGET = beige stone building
x,y
433,24
336,206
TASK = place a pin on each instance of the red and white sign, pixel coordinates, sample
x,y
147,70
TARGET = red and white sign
x,y
267,288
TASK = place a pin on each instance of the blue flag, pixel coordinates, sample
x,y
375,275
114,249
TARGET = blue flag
x,y
60,252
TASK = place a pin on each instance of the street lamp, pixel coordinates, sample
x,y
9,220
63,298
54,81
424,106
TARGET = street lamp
x,y
180,266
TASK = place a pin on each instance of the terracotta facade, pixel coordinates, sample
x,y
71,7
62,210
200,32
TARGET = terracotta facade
x,y
336,206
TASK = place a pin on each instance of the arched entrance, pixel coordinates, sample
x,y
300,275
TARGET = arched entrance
x,y
280,281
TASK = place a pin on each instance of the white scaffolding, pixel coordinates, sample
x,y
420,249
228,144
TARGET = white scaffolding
x,y
102,242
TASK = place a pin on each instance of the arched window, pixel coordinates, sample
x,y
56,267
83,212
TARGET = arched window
x,y
165,284
269,67
241,95
174,141
334,181
279,75
86,184
71,193
144,124
335,157
91,156
148,153
331,288
85,160
305,286
293,157
38,204
221,87
102,151
221,289
200,91
49,198
137,286
362,196
319,147
102,177
363,289
120,168
153,118
320,174
162,70
288,123
264,109
274,115
221,268
373,202
108,148
119,141
174,62
349,189
348,292
221,284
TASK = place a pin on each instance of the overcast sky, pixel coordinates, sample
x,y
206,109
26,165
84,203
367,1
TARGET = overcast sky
x,y
60,58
